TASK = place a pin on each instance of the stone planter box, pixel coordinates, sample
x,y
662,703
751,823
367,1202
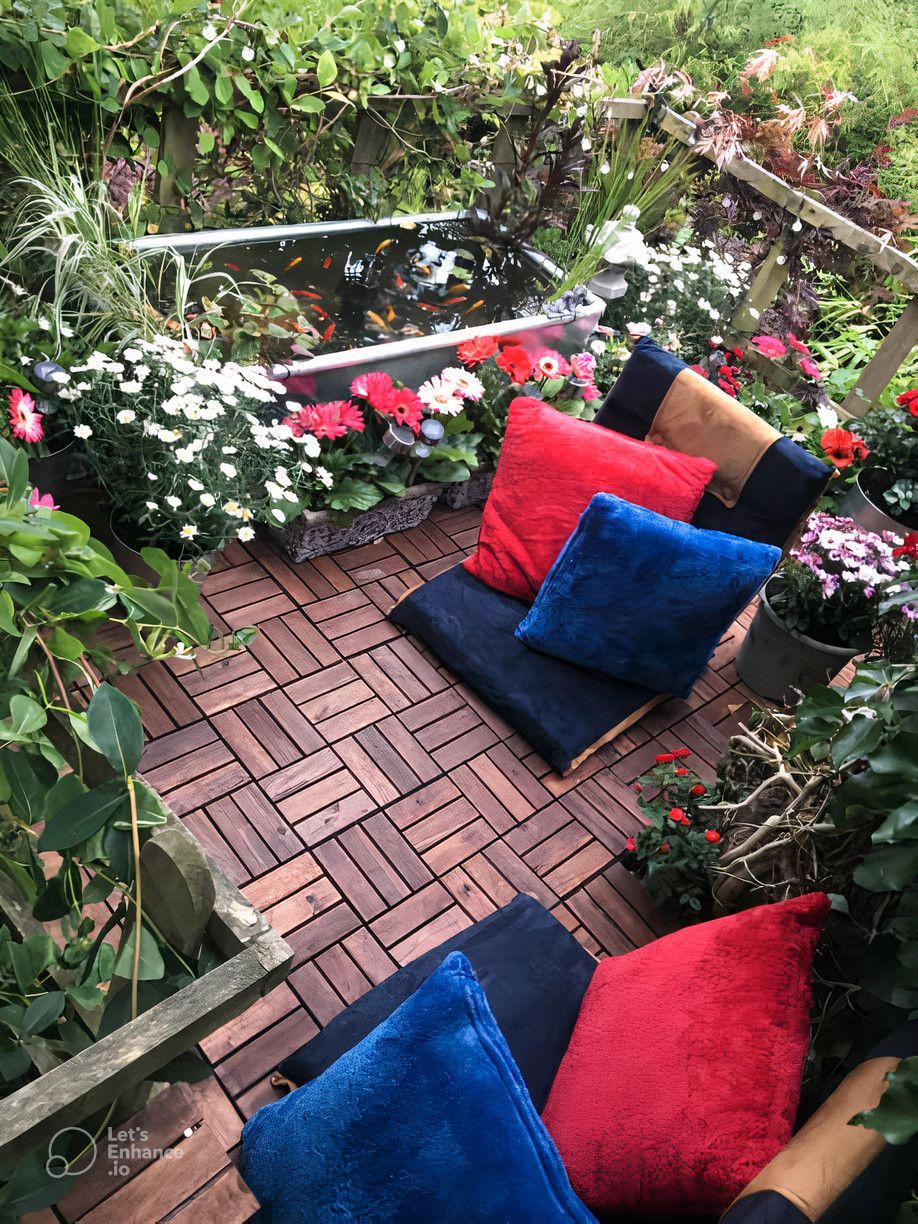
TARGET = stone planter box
x,y
316,532
257,960
471,492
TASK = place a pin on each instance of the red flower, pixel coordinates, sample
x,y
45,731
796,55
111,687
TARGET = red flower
x,y
908,547
372,387
25,420
331,420
711,835
913,407
473,352
728,387
664,849
859,449
402,405
677,816
699,370
908,398
681,752
680,773
798,345
515,362
810,368
769,346
697,789
665,757
637,787
630,844
838,445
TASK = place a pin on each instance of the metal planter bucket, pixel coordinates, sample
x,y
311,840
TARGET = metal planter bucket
x,y
775,661
858,505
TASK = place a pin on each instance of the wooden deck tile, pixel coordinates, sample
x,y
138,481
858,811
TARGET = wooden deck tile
x,y
372,806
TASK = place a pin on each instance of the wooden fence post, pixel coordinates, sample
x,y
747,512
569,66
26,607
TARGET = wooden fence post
x,y
880,370
766,285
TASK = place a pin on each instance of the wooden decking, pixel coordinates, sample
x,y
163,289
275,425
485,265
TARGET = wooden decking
x,y
371,807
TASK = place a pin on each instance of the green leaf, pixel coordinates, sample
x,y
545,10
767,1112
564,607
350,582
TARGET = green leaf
x,y
151,966
26,717
14,470
896,1116
888,868
22,966
78,43
326,68
79,596
818,717
195,87
43,1011
30,778
116,727
856,740
900,825
223,88
308,103
14,1063
54,63
83,816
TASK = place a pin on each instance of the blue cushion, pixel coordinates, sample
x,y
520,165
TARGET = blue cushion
x,y
776,495
644,598
534,974
564,711
427,1119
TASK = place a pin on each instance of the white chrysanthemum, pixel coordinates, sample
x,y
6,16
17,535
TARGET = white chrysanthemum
x,y
245,534
125,416
82,431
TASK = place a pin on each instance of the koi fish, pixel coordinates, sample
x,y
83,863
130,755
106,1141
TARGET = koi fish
x,y
293,263
382,246
475,305
426,306
399,283
459,285
411,329
233,267
323,314
423,268
327,334
326,262
316,297
463,297
378,320
390,314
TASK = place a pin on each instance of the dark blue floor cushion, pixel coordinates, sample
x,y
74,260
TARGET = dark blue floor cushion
x,y
427,1119
564,711
533,972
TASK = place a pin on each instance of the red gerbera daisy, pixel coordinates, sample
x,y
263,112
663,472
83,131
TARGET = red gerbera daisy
x,y
473,352
331,420
402,405
515,362
838,445
372,387
25,420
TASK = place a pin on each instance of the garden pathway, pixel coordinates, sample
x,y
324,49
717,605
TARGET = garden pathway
x,y
371,807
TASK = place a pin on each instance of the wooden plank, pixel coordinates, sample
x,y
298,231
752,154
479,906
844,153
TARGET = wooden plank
x,y
880,370
226,1199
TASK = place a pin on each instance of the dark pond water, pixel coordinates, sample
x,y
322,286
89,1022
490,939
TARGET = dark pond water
x,y
390,282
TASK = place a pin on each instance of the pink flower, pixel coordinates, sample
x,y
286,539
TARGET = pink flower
x,y
797,345
769,346
25,421
550,364
590,392
331,420
583,365
810,368
372,386
441,395
636,330
403,406
45,500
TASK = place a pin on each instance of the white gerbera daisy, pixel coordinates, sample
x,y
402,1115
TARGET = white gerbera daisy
x,y
439,395
467,384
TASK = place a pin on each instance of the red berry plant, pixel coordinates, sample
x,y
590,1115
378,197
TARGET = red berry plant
x,y
675,849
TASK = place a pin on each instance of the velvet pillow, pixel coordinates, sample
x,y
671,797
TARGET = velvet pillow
x,y
550,466
682,1078
643,598
426,1119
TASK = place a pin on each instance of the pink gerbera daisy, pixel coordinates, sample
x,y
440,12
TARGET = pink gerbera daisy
x,y
402,405
550,364
468,385
372,387
331,420
25,420
769,346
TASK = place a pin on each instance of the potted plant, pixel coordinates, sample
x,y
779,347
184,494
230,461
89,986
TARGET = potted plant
x,y
821,608
674,850
79,827
884,494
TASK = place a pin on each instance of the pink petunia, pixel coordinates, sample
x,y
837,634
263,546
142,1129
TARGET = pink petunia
x,y
25,420
769,346
44,500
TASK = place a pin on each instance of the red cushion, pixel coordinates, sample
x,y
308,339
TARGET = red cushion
x,y
683,1074
550,466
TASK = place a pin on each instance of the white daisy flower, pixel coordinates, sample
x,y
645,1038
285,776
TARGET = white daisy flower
x,y
173,501
207,499
82,431
188,531
125,416
245,534
440,396
467,384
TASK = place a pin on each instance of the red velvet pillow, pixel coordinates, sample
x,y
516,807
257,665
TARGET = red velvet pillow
x,y
550,466
683,1074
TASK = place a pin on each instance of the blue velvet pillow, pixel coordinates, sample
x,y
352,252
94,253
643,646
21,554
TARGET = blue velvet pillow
x,y
427,1119
643,598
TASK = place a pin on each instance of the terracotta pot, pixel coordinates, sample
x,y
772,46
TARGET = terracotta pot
x,y
317,532
775,660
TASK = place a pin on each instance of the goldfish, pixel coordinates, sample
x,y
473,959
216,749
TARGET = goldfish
x,y
427,306
293,263
423,268
411,329
326,262
327,334
390,314
408,225
399,283
463,297
316,297
323,314
382,246
475,305
375,318
233,267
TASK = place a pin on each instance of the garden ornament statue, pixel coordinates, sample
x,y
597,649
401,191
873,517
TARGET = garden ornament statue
x,y
624,248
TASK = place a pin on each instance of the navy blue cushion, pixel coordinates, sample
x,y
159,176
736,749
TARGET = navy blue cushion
x,y
534,974
564,711
427,1119
782,487
640,596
